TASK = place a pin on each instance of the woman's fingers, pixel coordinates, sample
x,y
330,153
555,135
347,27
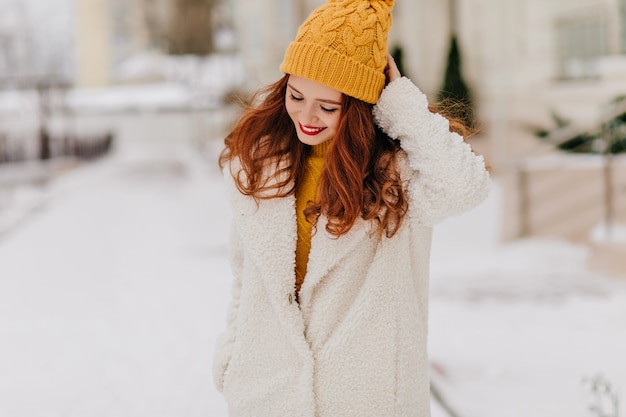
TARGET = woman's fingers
x,y
392,71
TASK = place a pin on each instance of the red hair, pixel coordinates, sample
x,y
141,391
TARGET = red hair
x,y
359,178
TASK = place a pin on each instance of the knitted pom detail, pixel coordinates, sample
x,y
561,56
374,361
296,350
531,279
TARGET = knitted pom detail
x,y
389,3
349,4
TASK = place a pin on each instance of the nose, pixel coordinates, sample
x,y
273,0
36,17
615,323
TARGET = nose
x,y
309,115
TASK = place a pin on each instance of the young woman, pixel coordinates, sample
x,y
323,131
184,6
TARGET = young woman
x,y
335,186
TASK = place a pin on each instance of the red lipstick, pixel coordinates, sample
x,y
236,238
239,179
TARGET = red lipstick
x,y
310,130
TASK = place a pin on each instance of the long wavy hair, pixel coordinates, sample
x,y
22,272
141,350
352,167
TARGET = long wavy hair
x,y
359,179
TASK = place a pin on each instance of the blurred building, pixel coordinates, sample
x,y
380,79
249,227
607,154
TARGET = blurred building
x,y
108,32
264,30
526,60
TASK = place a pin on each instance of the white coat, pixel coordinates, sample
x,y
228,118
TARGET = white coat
x,y
356,344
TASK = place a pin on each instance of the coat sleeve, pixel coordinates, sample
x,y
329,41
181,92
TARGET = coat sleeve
x,y
446,178
225,342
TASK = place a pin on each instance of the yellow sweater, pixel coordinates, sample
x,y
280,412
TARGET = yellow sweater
x,y
306,190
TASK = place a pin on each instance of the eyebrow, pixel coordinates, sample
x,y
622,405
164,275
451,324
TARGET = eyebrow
x,y
317,99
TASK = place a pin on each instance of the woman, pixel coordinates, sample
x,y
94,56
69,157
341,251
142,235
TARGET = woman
x,y
335,186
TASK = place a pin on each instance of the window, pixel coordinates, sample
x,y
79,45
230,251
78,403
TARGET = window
x,y
580,43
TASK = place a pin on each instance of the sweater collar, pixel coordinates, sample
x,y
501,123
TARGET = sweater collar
x,y
320,150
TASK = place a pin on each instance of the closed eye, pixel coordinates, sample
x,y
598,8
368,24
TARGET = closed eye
x,y
327,110
324,109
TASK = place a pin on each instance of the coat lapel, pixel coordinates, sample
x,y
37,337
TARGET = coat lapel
x,y
328,250
268,232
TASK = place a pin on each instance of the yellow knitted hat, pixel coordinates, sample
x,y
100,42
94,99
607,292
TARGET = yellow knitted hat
x,y
343,45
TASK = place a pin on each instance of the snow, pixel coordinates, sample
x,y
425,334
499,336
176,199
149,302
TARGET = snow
x,y
176,83
516,328
564,160
115,284
609,233
124,98
217,72
111,295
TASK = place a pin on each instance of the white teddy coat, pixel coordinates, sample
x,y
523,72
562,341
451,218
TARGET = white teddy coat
x,y
356,344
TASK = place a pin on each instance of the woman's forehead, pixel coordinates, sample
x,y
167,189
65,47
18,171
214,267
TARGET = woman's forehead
x,y
314,89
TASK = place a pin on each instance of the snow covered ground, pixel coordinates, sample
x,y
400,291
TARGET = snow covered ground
x,y
518,332
113,290
111,294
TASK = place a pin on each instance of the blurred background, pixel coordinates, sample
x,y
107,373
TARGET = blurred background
x,y
114,278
